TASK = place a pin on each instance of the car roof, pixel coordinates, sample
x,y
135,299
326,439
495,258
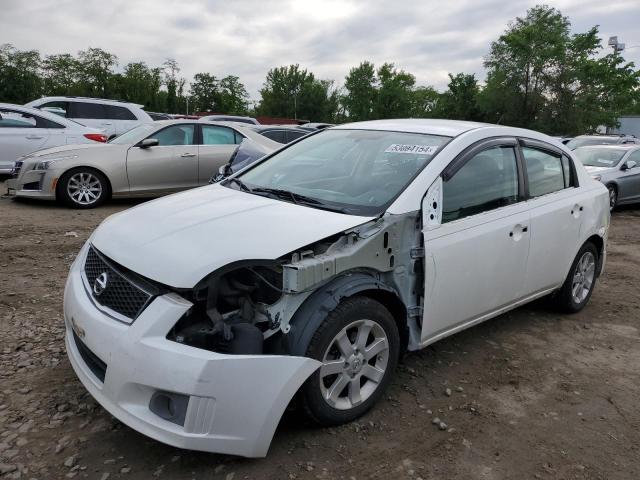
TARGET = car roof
x,y
611,146
449,128
66,98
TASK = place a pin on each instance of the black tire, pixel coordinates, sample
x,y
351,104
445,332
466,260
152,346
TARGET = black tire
x,y
565,300
68,183
613,196
348,312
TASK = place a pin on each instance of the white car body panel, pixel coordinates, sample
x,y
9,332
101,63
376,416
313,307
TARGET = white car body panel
x,y
218,226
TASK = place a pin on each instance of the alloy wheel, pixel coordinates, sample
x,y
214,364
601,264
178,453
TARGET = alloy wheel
x,y
613,198
84,188
583,277
354,364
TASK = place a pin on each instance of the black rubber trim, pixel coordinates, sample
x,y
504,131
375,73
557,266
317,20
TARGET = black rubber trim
x,y
97,366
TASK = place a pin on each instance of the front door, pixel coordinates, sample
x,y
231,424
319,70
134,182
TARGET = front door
x,y
20,133
476,256
171,165
629,180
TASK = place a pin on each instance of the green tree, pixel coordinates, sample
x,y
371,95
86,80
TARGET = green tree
x,y
233,96
20,80
395,93
460,101
361,92
204,94
293,92
424,102
60,74
95,72
542,76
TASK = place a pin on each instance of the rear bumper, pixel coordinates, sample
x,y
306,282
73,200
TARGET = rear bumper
x,y
235,401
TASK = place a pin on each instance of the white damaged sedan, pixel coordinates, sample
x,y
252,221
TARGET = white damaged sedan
x,y
196,318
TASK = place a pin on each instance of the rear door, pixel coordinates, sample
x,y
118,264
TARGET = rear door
x,y
476,255
217,144
122,118
629,179
556,214
92,115
170,166
20,133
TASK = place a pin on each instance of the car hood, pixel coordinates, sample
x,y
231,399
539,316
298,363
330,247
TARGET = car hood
x,y
73,149
598,170
179,239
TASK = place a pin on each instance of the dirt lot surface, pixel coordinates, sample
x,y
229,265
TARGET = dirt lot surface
x,y
529,395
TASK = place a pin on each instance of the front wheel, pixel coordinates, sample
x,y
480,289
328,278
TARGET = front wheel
x,y
613,197
358,345
83,188
578,286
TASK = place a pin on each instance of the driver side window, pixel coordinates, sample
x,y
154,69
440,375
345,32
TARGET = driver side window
x,y
487,181
175,135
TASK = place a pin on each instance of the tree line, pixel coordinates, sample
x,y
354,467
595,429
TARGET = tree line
x,y
539,76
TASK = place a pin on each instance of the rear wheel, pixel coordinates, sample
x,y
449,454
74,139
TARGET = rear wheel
x,y
83,188
358,345
579,284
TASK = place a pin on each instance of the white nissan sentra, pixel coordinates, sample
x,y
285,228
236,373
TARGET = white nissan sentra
x,y
196,318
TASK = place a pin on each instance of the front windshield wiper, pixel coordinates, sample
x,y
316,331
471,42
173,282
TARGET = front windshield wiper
x,y
299,199
243,186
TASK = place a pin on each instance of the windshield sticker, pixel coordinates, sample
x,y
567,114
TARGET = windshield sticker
x,y
414,149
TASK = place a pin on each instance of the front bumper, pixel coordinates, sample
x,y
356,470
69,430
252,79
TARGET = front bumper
x,y
33,184
235,401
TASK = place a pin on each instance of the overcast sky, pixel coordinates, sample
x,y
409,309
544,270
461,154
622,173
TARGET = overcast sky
x,y
428,38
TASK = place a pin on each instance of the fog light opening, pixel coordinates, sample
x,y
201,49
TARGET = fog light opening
x,y
171,407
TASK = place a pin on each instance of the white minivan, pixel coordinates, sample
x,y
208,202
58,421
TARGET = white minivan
x,y
196,318
112,116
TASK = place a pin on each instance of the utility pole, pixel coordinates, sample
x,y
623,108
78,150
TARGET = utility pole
x,y
613,43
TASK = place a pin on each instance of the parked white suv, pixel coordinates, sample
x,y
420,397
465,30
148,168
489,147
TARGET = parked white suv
x,y
112,116
196,318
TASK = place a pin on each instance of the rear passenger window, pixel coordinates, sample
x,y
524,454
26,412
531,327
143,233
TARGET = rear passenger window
x,y
59,108
545,171
486,182
213,135
119,113
88,110
275,135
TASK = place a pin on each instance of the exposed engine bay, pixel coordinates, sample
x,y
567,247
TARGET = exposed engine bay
x,y
243,308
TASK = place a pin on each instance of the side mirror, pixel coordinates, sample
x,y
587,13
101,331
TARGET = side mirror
x,y
629,165
148,142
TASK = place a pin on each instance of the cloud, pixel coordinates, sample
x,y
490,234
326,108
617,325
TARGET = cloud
x,y
248,37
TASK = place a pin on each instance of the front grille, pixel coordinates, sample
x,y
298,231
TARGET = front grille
x,y
97,366
115,288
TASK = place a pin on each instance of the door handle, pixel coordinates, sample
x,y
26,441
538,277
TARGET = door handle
x,y
523,229
188,155
34,137
106,123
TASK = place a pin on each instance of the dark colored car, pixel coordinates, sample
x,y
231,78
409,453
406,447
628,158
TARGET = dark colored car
x,y
278,133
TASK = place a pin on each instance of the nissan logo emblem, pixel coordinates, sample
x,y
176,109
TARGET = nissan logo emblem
x,y
100,283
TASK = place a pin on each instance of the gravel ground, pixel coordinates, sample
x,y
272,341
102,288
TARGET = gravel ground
x,y
530,394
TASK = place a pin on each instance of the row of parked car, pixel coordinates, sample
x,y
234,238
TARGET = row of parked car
x,y
105,148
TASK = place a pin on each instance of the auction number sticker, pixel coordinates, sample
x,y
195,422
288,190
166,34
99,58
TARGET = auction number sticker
x,y
414,149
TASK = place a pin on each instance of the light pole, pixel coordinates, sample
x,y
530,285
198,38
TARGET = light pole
x,y
613,43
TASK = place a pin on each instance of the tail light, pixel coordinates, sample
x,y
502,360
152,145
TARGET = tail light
x,y
96,137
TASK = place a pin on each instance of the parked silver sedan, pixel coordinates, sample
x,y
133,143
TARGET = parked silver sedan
x,y
149,160
618,167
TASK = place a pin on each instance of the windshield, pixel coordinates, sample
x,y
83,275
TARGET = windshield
x,y
134,135
581,142
354,171
599,157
